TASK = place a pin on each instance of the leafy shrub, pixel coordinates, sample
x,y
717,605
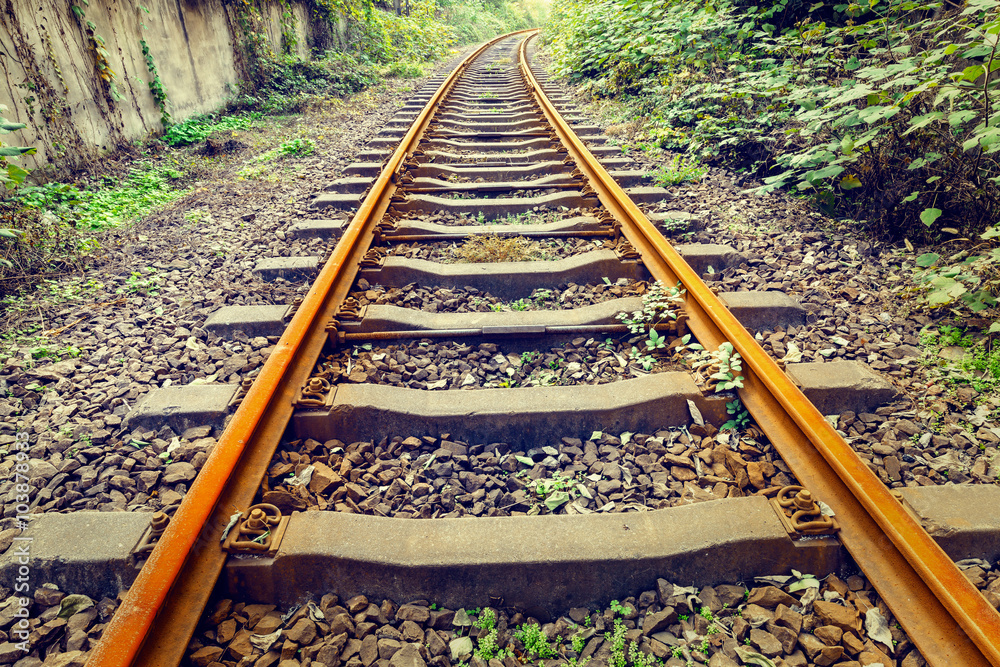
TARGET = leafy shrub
x,y
419,36
475,20
198,128
298,147
404,70
293,84
962,280
882,110
44,243
31,243
110,205
11,175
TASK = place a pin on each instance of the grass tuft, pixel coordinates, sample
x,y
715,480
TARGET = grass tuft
x,y
492,248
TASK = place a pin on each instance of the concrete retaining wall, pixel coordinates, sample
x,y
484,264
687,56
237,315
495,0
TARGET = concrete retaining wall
x,y
49,79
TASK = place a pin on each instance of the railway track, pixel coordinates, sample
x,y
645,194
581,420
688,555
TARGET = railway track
x,y
490,146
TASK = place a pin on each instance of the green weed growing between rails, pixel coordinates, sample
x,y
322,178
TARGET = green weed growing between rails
x,y
487,648
536,645
660,304
554,492
721,368
739,417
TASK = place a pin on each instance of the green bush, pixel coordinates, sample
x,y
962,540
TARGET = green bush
x,y
298,147
109,205
10,174
419,36
883,111
44,243
404,70
289,84
284,83
198,128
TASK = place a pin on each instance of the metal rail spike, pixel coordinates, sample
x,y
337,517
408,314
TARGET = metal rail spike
x,y
294,308
151,536
241,393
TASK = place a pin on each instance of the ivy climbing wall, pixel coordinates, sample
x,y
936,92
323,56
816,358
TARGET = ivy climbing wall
x,y
93,77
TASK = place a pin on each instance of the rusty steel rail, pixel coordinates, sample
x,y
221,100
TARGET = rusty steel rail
x,y
945,616
160,612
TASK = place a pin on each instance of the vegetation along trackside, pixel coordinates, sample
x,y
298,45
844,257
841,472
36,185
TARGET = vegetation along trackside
x,y
55,215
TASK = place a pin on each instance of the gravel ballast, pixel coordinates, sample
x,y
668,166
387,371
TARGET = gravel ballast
x,y
61,629
471,300
437,364
431,477
774,620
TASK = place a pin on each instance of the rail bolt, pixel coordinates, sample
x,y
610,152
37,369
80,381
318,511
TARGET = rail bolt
x,y
257,520
804,500
159,523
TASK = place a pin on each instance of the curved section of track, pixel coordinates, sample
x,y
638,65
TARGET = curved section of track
x,y
949,621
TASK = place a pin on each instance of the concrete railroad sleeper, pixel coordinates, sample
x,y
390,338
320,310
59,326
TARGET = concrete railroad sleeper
x,y
497,128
